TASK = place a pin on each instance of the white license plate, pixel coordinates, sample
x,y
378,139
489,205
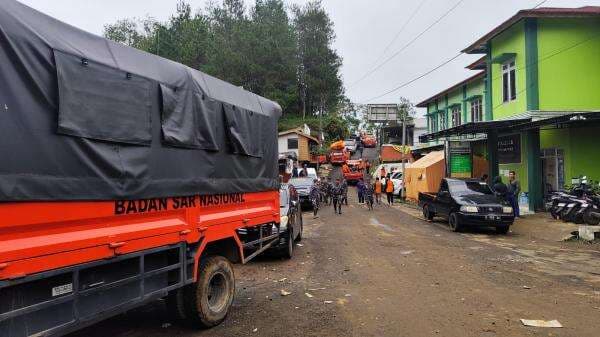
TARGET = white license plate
x,y
492,217
63,289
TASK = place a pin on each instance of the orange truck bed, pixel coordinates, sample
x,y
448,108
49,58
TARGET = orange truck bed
x,y
36,237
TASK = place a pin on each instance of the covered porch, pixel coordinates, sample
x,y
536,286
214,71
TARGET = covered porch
x,y
522,134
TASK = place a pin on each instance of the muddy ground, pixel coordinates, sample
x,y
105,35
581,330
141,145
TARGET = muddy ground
x,y
390,273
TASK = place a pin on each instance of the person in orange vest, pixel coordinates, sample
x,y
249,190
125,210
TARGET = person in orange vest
x,y
345,168
389,189
378,189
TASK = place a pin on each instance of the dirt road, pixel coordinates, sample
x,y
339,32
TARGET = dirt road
x,y
389,273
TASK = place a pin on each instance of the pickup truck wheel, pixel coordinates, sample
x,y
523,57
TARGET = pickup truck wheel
x,y
207,301
454,223
427,212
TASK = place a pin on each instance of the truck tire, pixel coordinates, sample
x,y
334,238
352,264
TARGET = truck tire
x,y
207,302
427,213
299,236
288,249
454,223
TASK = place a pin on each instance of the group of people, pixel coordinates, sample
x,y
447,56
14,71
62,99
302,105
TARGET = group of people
x,y
509,192
336,193
329,193
384,185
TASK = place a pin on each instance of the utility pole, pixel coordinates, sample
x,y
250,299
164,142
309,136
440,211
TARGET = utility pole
x,y
403,149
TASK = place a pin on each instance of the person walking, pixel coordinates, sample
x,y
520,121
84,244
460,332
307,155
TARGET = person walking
x,y
389,190
378,187
359,149
315,196
345,192
360,189
512,196
337,195
368,194
498,187
326,191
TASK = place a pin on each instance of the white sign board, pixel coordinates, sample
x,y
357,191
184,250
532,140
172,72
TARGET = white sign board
x,y
382,112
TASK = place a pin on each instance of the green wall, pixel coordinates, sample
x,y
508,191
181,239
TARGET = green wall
x,y
569,66
585,153
511,40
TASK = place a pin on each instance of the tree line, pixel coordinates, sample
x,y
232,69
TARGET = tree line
x,y
283,53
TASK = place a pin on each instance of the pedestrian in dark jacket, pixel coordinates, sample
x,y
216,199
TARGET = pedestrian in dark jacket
x,y
360,189
315,196
499,188
514,188
337,195
368,195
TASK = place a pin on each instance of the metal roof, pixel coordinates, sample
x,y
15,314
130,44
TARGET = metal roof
x,y
424,103
525,121
479,46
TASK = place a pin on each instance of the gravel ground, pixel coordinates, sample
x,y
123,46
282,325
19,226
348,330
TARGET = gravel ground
x,y
390,273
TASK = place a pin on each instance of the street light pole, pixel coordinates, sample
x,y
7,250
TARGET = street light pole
x,y
403,150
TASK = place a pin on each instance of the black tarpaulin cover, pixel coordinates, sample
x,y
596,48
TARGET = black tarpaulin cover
x,y
84,118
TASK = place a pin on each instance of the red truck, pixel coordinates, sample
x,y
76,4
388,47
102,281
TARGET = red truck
x,y
338,157
126,178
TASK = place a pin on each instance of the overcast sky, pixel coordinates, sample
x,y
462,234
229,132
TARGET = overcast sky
x,y
364,28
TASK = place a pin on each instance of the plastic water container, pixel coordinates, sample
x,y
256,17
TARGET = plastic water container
x,y
524,202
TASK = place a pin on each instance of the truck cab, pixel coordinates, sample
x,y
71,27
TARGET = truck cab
x,y
467,203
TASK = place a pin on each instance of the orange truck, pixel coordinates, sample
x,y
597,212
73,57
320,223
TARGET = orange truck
x,y
126,178
353,170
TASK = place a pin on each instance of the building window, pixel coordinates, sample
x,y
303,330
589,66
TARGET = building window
x,y
509,91
476,110
456,116
292,143
429,124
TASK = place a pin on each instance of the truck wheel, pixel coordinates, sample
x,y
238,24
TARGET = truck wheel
x,y
208,300
288,250
427,212
502,229
299,237
454,223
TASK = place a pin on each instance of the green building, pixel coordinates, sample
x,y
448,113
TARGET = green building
x,y
534,105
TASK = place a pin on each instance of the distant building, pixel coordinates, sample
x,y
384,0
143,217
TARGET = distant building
x,y
533,106
297,141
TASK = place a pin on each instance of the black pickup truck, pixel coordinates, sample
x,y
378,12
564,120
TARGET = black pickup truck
x,y
467,203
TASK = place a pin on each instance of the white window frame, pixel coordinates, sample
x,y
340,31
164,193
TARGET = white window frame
x,y
509,89
456,116
477,110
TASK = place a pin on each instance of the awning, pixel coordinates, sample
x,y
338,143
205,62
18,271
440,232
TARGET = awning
x,y
525,121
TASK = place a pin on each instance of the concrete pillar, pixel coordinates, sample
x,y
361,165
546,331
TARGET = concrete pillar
x,y
492,149
534,170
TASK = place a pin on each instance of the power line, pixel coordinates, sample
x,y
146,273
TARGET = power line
x,y
539,4
412,16
408,44
453,58
414,79
539,60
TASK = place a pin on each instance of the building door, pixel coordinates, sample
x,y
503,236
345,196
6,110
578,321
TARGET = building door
x,y
553,169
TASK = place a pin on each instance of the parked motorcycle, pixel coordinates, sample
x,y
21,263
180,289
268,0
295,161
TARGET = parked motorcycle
x,y
579,205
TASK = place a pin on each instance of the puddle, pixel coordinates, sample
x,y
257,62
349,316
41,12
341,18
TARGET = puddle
x,y
376,223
